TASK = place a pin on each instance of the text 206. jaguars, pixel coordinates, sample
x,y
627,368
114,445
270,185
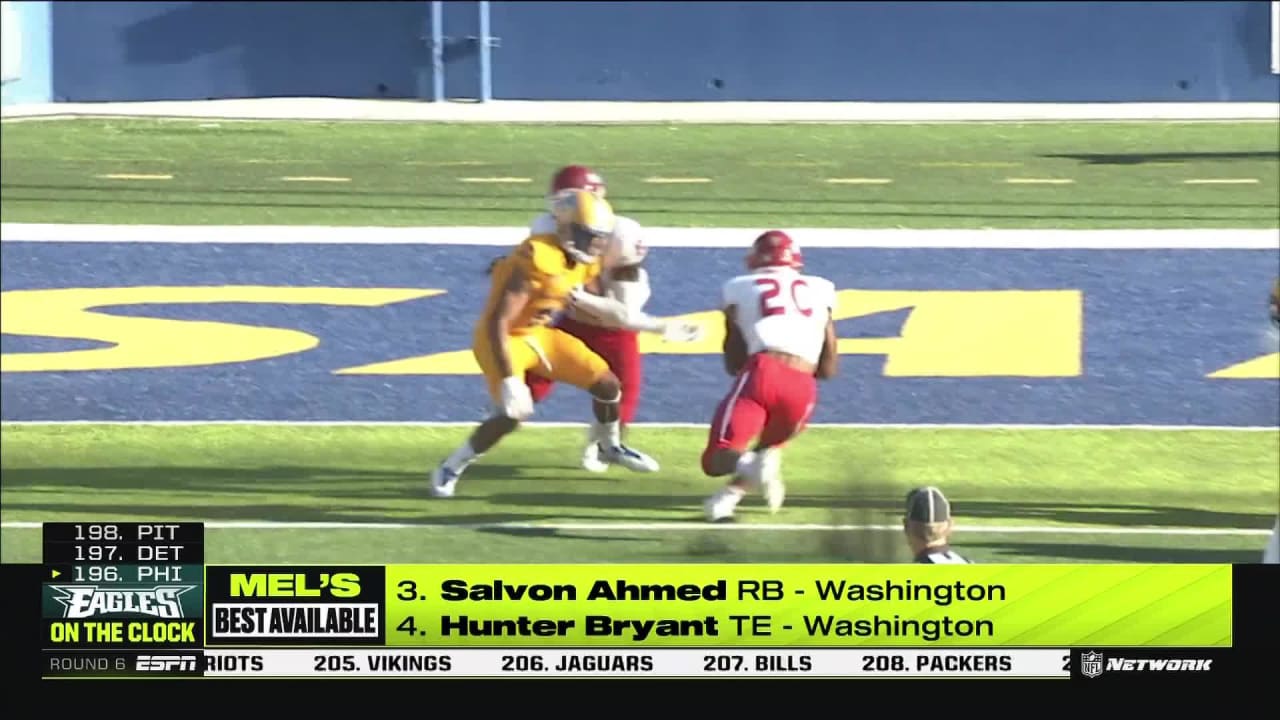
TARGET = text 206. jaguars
x,y
574,662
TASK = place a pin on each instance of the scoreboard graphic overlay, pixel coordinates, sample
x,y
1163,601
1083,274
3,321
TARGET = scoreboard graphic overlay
x,y
137,600
123,599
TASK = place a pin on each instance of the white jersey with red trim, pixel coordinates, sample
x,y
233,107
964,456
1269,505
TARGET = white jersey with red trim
x,y
783,310
626,247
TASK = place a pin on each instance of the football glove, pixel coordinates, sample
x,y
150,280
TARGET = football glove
x,y
517,401
681,332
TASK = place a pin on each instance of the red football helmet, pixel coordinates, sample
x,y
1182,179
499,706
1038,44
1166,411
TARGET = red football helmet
x,y
577,177
775,249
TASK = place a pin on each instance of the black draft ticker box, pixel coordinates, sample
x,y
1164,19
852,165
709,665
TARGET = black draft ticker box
x,y
122,663
123,543
299,606
122,585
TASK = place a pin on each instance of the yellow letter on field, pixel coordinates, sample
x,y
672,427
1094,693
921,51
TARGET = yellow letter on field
x,y
968,333
140,342
1266,367
948,333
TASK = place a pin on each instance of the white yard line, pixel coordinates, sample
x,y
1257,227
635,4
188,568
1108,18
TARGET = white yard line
x,y
1221,181
134,176
536,111
656,425
737,238
687,526
497,180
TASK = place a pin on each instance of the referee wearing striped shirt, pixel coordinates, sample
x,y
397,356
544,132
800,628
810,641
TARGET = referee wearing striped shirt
x,y
928,527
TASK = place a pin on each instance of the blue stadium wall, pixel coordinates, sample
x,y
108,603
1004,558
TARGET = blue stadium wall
x,y
670,51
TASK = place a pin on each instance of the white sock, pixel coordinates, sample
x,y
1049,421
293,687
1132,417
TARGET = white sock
x,y
609,434
461,458
744,463
595,433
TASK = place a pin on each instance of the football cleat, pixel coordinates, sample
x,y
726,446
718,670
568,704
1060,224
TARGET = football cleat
x,y
633,460
591,460
768,473
444,481
720,507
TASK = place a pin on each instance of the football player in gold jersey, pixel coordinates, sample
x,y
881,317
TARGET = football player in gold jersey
x,y
542,277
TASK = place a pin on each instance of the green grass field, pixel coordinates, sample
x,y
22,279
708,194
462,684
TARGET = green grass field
x,y
1068,491
1107,175
1074,495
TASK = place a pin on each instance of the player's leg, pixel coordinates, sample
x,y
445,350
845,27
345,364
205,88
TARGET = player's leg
x,y
572,362
523,355
739,418
591,460
621,350
539,387
626,361
792,396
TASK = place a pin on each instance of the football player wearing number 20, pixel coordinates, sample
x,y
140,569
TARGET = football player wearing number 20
x,y
780,339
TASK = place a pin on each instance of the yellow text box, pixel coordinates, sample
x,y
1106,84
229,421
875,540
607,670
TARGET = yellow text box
x,y
1056,605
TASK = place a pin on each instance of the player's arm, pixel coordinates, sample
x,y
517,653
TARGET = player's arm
x,y
735,346
515,295
829,360
594,286
626,311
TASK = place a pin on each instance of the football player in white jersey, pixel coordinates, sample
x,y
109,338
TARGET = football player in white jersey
x,y
609,323
779,336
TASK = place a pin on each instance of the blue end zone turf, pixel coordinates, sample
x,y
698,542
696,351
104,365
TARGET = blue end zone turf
x,y
1152,325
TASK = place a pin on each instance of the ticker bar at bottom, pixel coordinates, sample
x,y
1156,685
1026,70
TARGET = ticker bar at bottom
x,y
611,662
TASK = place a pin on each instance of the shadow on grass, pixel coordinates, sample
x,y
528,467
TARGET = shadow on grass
x,y
846,209
500,199
1142,158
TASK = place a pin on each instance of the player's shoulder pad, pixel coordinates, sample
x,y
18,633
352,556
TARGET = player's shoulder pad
x,y
627,245
825,288
732,289
543,224
540,255
623,224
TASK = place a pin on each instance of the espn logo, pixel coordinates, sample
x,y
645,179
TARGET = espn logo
x,y
167,663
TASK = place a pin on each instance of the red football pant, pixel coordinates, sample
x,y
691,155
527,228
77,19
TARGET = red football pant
x,y
769,400
619,348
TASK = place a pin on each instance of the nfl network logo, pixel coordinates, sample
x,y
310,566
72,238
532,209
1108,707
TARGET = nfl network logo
x,y
1091,664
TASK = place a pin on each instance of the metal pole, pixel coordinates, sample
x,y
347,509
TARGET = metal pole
x,y
437,51
486,69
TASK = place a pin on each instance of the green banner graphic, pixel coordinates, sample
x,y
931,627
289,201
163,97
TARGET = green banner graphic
x,y
123,592
809,605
